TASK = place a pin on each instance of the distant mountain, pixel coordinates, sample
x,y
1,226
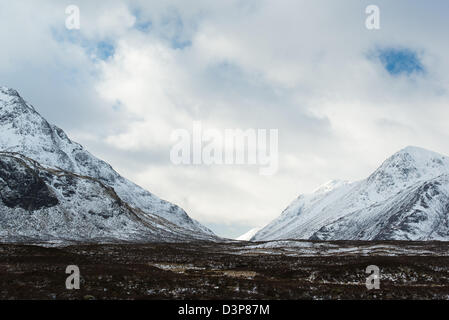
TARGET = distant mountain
x,y
52,188
406,198
248,235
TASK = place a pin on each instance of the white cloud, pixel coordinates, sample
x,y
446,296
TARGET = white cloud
x,y
302,67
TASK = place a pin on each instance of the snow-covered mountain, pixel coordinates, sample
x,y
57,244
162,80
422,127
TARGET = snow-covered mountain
x,y
248,235
406,198
51,187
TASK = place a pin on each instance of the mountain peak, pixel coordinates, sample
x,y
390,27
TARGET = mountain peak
x,y
25,134
409,165
8,94
10,100
418,152
406,198
8,91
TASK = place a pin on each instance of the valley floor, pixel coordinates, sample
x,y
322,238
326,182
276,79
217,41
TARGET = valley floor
x,y
234,270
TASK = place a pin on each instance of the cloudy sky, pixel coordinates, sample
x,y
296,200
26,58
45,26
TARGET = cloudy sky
x,y
343,97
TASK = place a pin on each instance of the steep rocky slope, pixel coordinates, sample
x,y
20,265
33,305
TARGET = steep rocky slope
x,y
406,198
52,187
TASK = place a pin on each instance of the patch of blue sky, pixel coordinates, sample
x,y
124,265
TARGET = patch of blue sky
x,y
66,35
117,106
177,43
142,24
169,28
101,50
174,30
104,50
400,61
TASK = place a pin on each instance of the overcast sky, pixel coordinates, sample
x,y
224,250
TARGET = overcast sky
x,y
343,97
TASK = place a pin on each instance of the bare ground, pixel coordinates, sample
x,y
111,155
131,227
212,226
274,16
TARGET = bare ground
x,y
236,270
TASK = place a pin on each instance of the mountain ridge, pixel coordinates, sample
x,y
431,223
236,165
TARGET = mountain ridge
x,y
26,134
384,206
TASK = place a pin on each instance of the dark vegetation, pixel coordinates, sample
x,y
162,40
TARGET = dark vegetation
x,y
217,271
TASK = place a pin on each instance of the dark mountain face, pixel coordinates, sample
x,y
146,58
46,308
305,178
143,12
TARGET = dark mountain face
x,y
20,186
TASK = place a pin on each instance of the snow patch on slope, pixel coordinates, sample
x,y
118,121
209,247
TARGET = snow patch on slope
x,y
248,235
